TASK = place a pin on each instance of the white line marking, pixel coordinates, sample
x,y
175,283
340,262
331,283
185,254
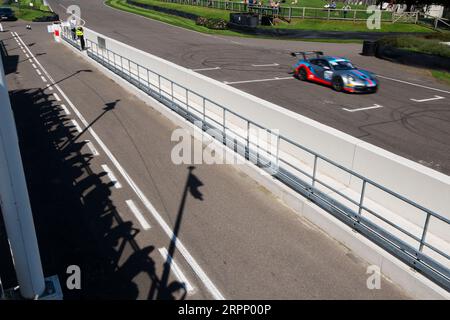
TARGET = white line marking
x,y
145,225
43,79
259,80
39,72
66,111
179,244
265,65
206,69
376,106
111,176
24,50
92,148
34,66
27,55
77,126
56,97
176,270
414,84
430,99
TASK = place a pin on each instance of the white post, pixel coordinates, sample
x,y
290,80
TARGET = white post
x,y
15,203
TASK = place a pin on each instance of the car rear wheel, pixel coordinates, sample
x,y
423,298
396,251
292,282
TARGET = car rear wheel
x,y
338,84
302,74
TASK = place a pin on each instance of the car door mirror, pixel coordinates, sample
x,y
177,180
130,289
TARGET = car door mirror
x,y
326,67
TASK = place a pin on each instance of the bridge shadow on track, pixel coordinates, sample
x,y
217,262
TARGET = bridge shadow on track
x,y
75,218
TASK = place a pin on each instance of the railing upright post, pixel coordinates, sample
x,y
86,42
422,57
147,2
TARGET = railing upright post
x,y
354,16
314,171
248,140
424,233
159,85
224,125
303,15
361,199
187,102
148,79
204,110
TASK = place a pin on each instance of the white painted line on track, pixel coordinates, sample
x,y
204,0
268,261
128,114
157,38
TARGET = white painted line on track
x,y
92,148
265,65
258,80
56,97
176,270
216,294
413,84
206,69
43,79
66,111
429,99
77,126
34,66
134,209
27,55
376,106
111,176
39,72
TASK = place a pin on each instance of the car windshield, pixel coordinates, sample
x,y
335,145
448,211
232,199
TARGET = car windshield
x,y
5,10
342,65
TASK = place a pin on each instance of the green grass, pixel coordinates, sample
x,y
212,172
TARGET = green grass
x,y
442,76
339,25
200,11
300,24
429,44
27,13
171,19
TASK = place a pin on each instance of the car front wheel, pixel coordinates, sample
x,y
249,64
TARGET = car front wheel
x,y
338,84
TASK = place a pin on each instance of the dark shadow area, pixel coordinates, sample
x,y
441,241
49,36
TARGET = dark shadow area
x,y
9,62
75,218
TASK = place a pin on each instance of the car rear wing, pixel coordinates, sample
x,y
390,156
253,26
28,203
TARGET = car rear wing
x,y
305,53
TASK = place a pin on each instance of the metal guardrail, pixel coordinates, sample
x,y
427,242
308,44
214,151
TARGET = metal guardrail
x,y
306,183
289,12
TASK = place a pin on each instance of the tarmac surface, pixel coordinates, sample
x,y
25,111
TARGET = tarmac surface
x,y
107,197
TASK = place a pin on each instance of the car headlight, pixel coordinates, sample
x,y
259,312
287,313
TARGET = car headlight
x,y
350,78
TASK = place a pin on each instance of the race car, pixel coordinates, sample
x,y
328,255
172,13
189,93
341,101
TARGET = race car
x,y
339,73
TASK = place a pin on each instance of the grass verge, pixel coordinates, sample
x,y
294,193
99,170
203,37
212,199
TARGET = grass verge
x,y
430,44
441,76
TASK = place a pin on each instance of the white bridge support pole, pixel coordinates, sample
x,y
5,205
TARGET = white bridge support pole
x,y
15,204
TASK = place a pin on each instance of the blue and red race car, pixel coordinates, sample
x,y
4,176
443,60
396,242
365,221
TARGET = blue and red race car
x,y
339,73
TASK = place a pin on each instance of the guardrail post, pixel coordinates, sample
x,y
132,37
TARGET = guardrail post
x,y
314,171
328,15
148,79
204,110
354,16
187,102
425,228
303,15
224,126
248,141
361,199
159,85
289,13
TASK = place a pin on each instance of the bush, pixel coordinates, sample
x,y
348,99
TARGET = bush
x,y
429,44
212,23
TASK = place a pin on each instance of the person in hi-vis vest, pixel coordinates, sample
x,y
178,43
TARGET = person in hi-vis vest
x,y
80,35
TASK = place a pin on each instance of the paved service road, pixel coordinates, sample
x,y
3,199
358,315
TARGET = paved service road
x,y
108,197
418,130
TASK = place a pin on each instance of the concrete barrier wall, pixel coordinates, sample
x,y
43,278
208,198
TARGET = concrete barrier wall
x,y
413,181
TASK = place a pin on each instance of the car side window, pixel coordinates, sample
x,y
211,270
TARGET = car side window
x,y
324,63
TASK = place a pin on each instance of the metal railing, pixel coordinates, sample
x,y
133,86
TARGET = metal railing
x,y
289,12
206,114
